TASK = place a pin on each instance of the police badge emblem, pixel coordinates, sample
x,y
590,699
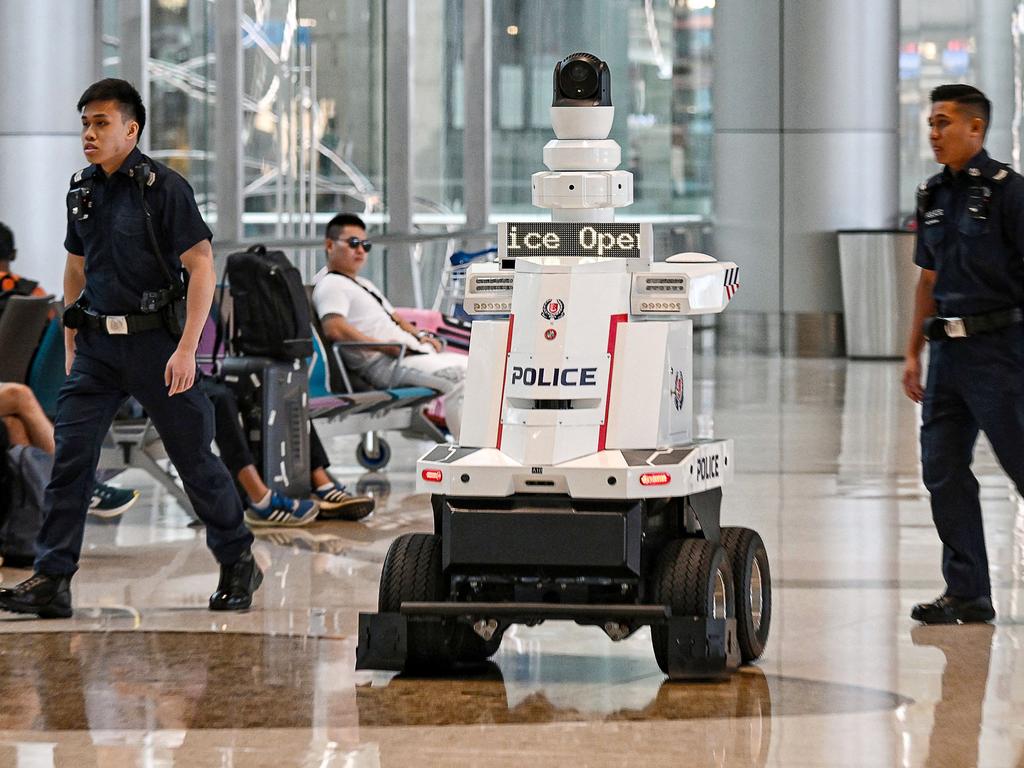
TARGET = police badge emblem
x,y
553,309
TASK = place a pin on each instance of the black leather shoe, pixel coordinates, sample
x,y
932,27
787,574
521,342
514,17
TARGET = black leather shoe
x,y
947,609
49,597
237,583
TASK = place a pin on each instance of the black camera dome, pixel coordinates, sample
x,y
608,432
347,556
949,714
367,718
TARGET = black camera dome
x,y
582,80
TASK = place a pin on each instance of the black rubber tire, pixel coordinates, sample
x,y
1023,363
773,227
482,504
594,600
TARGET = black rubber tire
x,y
745,547
685,580
374,462
412,572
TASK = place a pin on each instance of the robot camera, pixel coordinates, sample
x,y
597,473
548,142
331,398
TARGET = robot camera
x,y
581,107
582,80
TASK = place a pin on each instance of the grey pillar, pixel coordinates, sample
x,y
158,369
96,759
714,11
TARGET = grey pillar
x,y
398,111
229,176
476,143
133,33
995,72
46,47
806,121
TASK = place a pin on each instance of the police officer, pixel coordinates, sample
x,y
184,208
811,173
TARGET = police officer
x,y
132,225
970,243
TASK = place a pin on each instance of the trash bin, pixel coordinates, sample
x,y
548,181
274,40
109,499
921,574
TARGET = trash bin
x,y
879,277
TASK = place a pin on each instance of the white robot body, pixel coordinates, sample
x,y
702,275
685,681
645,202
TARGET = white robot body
x,y
586,388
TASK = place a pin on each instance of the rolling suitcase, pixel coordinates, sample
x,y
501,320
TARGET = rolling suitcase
x,y
272,398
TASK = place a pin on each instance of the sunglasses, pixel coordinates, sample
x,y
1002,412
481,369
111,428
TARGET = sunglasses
x,y
355,242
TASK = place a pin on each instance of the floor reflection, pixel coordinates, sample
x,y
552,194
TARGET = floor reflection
x,y
958,712
495,697
160,681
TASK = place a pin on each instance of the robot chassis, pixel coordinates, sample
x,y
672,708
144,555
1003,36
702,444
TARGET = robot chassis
x,y
576,490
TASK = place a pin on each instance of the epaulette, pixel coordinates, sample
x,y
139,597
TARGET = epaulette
x,y
924,192
146,168
992,170
85,173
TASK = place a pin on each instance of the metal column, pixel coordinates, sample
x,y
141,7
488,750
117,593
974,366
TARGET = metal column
x,y
227,142
476,141
47,48
806,143
995,72
398,109
133,34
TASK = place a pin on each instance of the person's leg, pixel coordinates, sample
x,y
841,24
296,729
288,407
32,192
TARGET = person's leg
x,y
19,401
16,432
444,371
185,424
252,483
996,398
318,458
335,502
228,431
948,435
85,409
266,507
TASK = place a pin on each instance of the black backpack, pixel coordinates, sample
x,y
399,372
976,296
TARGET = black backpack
x,y
11,285
270,311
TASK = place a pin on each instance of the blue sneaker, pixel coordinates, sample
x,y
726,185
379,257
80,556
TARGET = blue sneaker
x,y
282,511
108,501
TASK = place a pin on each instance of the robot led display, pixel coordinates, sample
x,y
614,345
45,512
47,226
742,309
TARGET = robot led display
x,y
576,490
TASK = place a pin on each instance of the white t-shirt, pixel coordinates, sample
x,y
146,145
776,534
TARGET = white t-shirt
x,y
361,303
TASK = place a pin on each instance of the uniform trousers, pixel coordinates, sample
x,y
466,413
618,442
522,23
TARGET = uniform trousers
x,y
974,383
106,370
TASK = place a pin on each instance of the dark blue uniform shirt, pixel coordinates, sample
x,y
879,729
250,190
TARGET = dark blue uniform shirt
x,y
119,261
971,232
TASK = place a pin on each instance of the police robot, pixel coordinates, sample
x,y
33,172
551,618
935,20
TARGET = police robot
x,y
576,490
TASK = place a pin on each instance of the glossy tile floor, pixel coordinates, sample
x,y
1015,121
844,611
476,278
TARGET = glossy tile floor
x,y
828,474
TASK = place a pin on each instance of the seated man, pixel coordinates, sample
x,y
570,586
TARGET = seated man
x,y
351,308
27,425
273,508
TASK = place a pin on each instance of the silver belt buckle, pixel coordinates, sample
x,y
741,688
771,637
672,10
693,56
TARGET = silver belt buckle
x,y
955,328
117,325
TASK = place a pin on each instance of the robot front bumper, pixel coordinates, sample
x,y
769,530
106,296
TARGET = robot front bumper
x,y
610,474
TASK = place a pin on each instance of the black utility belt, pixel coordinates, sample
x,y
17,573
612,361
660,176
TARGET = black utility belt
x,y
121,325
939,328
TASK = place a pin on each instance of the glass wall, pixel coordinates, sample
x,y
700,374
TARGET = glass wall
x,y
180,106
313,108
659,53
314,125
313,136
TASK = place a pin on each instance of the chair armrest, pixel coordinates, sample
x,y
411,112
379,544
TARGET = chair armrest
x,y
337,347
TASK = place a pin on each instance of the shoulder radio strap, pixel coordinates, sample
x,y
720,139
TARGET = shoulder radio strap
x,y
144,177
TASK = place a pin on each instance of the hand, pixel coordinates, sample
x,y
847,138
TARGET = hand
x,y
69,353
434,342
180,373
912,379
